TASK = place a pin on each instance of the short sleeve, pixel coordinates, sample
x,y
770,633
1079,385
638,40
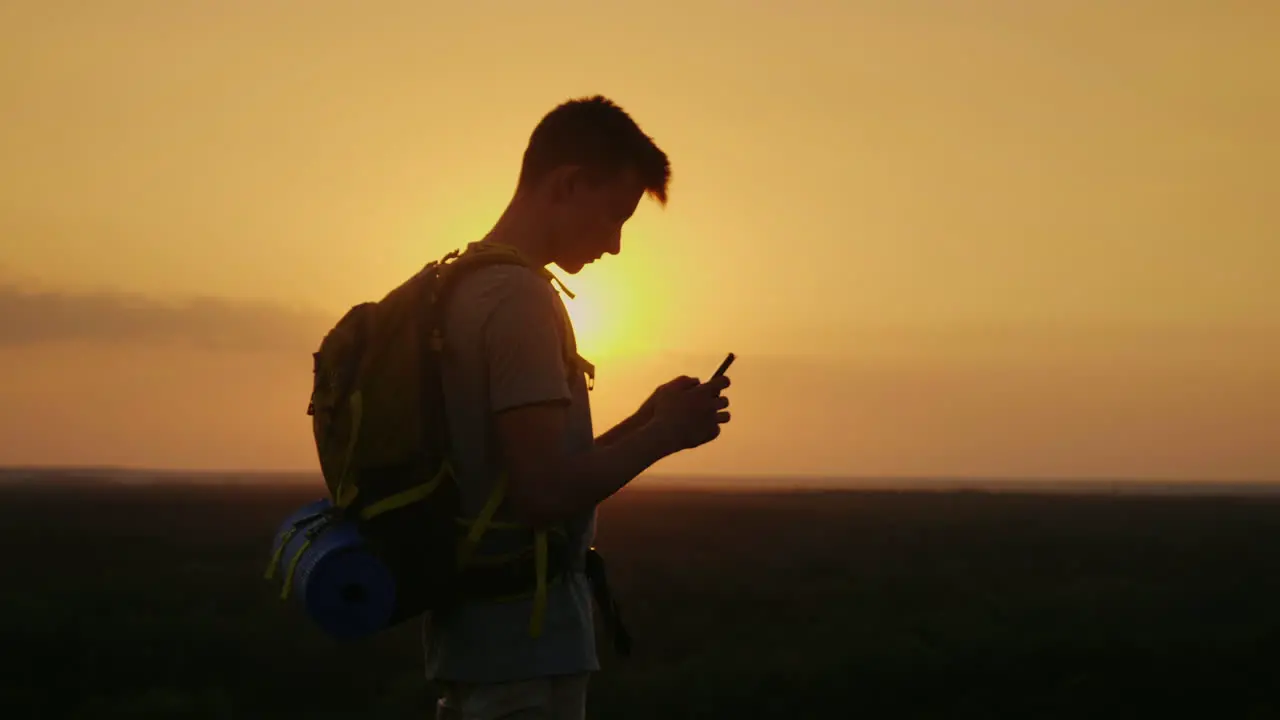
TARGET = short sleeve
x,y
524,348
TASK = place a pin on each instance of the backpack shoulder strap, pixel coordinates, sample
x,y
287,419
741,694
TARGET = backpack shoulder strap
x,y
457,265
481,255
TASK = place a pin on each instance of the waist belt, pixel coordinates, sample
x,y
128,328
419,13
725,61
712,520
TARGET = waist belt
x,y
513,577
485,582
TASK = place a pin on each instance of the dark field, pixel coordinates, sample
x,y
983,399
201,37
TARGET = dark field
x,y
149,602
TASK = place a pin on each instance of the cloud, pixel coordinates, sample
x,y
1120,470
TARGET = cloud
x,y
32,317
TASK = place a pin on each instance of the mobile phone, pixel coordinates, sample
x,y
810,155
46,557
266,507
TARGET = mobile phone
x,y
724,366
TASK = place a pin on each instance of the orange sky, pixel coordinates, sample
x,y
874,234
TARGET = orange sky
x,y
979,238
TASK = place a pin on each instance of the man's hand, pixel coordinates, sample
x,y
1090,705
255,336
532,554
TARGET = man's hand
x,y
548,485
687,414
641,417
645,413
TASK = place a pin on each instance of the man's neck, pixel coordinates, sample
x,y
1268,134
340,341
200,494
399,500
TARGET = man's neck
x,y
519,228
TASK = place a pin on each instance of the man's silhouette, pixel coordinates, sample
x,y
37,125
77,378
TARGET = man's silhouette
x,y
517,404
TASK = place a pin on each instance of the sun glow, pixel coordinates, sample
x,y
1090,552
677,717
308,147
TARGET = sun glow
x,y
610,315
599,320
623,307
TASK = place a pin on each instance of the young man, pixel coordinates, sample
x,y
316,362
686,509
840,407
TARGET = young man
x,y
518,406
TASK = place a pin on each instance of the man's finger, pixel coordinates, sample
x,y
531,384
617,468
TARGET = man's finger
x,y
716,384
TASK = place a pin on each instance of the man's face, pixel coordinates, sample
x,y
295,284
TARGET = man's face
x,y
589,216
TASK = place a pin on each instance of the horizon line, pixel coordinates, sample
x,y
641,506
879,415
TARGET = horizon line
x,y
735,478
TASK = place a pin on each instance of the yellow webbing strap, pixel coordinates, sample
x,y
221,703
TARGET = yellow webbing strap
x,y
585,367
393,502
279,553
407,497
316,530
527,594
293,566
483,521
285,539
501,525
490,247
342,498
540,590
563,288
493,559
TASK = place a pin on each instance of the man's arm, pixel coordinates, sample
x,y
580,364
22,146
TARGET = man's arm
x,y
547,484
620,431
529,397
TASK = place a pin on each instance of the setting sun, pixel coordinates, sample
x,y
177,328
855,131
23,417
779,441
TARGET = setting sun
x,y
603,321
621,305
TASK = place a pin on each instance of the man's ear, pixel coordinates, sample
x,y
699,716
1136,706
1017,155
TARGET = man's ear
x,y
564,182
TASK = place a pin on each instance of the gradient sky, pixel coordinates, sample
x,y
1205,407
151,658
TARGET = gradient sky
x,y
945,238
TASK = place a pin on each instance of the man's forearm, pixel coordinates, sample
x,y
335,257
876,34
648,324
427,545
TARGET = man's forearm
x,y
619,431
580,481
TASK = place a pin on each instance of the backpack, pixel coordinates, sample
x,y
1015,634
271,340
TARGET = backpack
x,y
382,440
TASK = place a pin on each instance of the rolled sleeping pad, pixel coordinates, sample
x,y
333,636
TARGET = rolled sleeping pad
x,y
345,589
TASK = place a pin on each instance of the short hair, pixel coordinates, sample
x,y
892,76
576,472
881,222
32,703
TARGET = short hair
x,y
597,134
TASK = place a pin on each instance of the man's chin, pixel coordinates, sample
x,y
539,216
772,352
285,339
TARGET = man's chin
x,y
571,268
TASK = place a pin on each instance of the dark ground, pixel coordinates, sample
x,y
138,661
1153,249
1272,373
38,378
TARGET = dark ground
x,y
150,602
